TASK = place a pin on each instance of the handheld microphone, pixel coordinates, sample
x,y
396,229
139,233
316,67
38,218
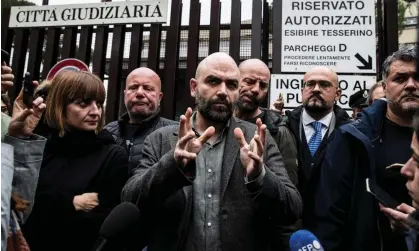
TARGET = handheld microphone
x,y
304,240
121,218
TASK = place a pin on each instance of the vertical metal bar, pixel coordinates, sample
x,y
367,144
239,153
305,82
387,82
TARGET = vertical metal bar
x,y
214,36
256,29
52,50
171,61
391,24
99,54
265,33
136,46
276,36
69,42
85,44
380,44
19,59
115,73
35,51
154,47
5,17
193,47
235,30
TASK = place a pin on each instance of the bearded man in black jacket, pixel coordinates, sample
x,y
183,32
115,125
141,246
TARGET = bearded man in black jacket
x,y
254,85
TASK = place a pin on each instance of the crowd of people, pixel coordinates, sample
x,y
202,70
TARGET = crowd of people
x,y
229,175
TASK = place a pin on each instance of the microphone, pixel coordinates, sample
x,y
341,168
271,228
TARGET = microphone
x,y
304,240
121,218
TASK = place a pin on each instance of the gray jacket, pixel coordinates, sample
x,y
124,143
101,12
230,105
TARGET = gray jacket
x,y
250,219
20,164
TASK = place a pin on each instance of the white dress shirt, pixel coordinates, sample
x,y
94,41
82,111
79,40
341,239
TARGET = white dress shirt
x,y
309,129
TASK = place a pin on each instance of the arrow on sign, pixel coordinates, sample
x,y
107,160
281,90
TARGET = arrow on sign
x,y
367,65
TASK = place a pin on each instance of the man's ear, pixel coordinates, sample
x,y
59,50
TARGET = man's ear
x,y
338,94
193,85
160,96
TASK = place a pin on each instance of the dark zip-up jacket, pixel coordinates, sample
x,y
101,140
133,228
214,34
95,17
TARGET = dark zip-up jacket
x,y
136,144
346,215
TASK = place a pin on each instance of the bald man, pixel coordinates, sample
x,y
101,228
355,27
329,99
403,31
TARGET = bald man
x,y
214,182
254,86
142,96
312,124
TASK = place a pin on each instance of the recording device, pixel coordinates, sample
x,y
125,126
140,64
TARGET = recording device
x,y
121,218
381,195
5,56
28,90
304,240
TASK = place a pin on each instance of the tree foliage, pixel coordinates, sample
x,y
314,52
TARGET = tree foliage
x,y
10,3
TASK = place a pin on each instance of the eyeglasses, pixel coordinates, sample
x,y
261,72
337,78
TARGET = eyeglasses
x,y
323,84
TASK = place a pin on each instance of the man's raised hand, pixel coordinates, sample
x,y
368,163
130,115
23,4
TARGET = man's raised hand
x,y
251,155
188,144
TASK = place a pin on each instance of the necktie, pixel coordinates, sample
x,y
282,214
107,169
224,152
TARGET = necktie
x,y
316,139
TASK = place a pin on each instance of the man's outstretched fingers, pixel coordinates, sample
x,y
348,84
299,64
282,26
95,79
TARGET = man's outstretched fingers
x,y
259,145
255,158
238,134
262,134
207,134
185,139
182,129
188,115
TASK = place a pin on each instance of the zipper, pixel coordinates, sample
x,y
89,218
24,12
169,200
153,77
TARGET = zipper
x,y
129,145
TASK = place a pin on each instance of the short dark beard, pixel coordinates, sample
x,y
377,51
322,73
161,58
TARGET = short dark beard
x,y
404,113
316,109
245,107
205,109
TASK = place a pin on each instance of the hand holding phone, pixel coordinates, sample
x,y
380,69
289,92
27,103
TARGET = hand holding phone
x,y
381,195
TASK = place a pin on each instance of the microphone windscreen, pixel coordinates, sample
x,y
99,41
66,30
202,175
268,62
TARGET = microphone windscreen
x,y
304,240
121,218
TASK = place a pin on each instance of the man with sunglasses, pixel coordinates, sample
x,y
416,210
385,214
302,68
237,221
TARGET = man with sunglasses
x,y
349,218
312,124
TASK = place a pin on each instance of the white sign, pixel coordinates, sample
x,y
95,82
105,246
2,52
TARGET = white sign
x,y
145,11
290,87
337,34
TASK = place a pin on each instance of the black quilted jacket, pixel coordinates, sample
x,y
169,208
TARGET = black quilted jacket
x,y
135,145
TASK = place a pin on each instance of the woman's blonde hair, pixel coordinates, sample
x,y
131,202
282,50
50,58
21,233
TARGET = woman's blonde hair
x,y
66,87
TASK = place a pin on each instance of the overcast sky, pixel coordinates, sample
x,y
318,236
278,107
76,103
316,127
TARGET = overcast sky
x,y
205,5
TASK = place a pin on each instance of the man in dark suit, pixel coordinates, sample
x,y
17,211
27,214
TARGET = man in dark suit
x,y
312,124
214,182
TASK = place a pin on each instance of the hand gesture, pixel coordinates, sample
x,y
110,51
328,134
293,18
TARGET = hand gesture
x,y
25,120
398,218
188,145
85,202
251,155
6,78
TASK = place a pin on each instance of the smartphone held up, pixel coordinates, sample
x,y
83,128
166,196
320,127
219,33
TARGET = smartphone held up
x,y
28,90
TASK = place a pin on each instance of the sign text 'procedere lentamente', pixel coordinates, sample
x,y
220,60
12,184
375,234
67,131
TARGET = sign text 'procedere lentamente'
x,y
147,11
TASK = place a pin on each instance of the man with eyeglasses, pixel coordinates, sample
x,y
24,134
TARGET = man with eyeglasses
x,y
312,124
374,146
